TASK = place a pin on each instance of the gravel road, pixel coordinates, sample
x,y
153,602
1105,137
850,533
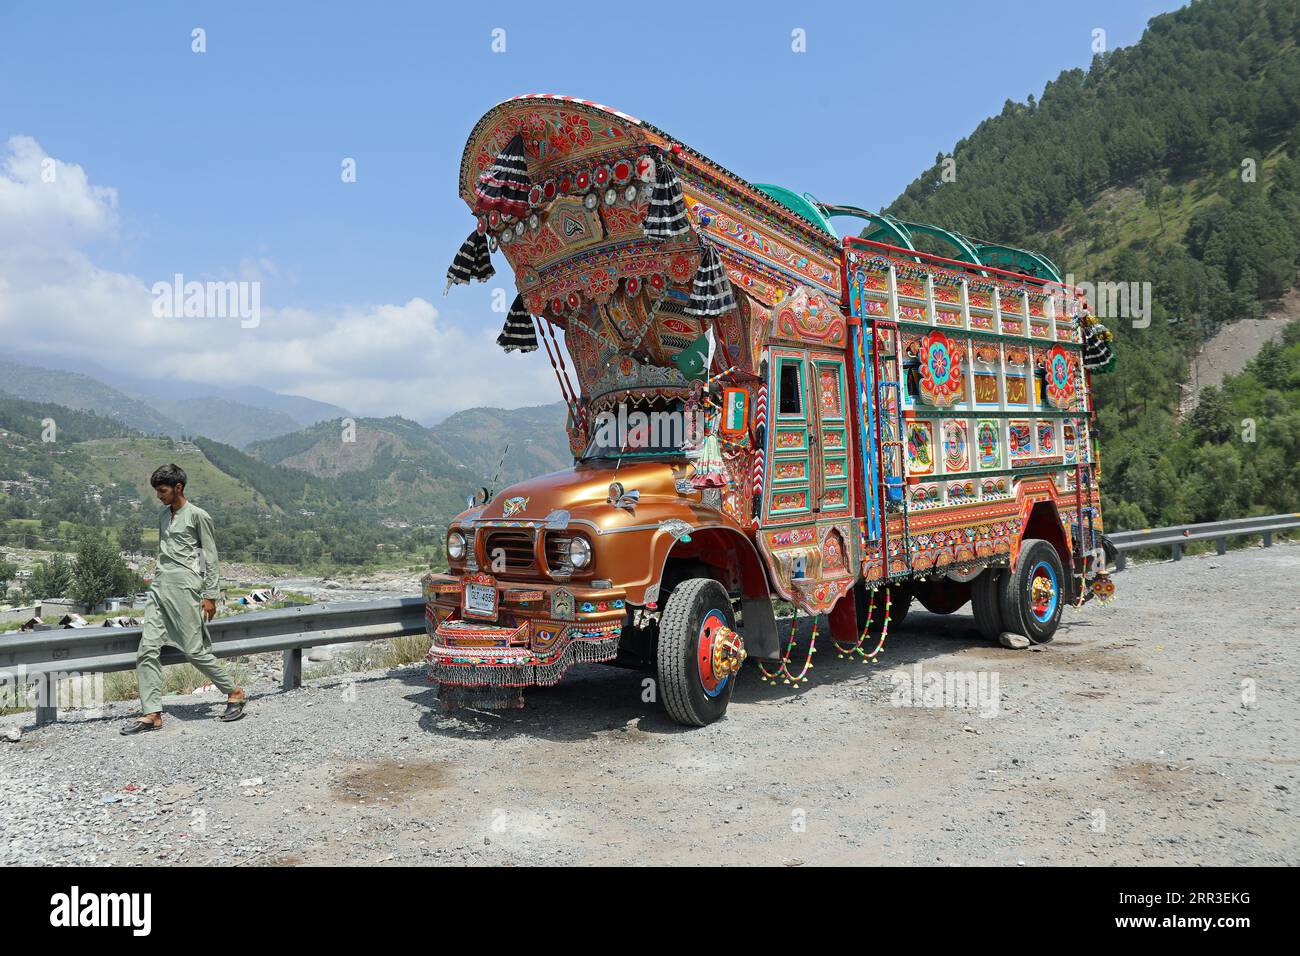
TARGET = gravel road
x,y
1163,729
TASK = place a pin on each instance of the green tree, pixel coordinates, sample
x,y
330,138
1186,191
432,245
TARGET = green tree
x,y
7,572
1212,420
99,571
130,538
51,579
1153,191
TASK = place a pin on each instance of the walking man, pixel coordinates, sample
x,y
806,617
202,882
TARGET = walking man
x,y
186,575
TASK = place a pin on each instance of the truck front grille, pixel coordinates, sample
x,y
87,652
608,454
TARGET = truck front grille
x,y
515,546
557,554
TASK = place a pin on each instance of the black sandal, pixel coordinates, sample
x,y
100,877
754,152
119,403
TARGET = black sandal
x,y
140,726
234,710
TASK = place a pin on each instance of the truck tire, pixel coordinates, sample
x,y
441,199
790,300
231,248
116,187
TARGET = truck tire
x,y
942,596
692,694
984,592
1033,592
1111,552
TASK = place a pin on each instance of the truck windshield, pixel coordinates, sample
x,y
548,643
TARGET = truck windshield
x,y
640,433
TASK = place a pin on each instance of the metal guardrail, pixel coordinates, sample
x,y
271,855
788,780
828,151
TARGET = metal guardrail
x,y
45,655
1176,536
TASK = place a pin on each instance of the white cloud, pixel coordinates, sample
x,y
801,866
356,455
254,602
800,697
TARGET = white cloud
x,y
380,359
43,200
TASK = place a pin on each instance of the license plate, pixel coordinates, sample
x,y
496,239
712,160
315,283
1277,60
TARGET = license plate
x,y
481,600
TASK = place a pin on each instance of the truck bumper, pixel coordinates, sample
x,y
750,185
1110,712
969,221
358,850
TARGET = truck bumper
x,y
537,634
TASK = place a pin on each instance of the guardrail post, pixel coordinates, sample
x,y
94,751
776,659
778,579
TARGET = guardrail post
x,y
47,700
1223,545
1268,539
1121,561
1177,551
292,672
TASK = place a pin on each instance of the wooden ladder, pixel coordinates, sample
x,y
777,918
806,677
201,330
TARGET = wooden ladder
x,y
896,442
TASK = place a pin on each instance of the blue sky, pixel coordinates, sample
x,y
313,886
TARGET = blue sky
x,y
227,163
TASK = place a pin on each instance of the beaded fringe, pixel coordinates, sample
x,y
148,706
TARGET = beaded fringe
x,y
515,677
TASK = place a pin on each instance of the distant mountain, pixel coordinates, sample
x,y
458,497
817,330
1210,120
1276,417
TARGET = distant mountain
x,y
97,456
235,416
27,419
399,466
227,421
391,464
311,496
536,438
304,411
285,488
77,391
255,454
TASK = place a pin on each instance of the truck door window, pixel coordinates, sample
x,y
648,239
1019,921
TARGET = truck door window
x,y
912,380
791,395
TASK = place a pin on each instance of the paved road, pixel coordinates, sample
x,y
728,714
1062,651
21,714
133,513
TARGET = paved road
x,y
1161,729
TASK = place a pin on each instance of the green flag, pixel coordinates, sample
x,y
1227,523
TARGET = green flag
x,y
693,361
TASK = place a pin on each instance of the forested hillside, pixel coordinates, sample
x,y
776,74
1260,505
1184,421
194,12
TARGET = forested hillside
x,y
1175,162
312,498
400,465
83,393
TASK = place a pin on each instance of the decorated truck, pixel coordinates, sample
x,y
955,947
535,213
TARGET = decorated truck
x,y
758,411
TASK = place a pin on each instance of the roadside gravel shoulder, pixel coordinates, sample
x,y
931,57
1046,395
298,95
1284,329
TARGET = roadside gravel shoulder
x,y
1164,728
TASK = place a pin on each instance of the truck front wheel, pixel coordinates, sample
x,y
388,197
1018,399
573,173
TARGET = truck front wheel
x,y
1034,591
699,652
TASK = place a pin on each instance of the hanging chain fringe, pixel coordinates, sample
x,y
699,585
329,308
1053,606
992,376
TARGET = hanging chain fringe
x,y
856,648
783,671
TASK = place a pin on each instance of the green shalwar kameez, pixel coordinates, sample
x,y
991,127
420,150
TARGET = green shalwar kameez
x,y
187,574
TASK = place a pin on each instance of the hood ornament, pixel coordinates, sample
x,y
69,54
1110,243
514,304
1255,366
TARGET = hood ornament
x,y
619,498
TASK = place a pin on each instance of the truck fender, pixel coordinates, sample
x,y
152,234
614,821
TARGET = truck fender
x,y
733,553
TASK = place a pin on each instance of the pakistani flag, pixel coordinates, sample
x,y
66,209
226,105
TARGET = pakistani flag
x,y
693,361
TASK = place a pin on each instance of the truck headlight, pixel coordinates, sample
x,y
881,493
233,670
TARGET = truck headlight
x,y
455,546
580,552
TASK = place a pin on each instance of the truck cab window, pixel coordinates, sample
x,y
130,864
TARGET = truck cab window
x,y
791,395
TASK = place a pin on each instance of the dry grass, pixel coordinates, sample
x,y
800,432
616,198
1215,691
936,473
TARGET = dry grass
x,y
381,655
177,679
401,651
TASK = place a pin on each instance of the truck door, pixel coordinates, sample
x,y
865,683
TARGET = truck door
x,y
810,444
829,434
790,490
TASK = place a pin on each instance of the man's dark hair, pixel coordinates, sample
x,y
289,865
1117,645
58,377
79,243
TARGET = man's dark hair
x,y
168,475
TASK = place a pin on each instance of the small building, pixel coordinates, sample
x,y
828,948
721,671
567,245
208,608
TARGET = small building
x,y
49,607
10,614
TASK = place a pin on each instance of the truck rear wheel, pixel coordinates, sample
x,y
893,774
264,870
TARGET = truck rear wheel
x,y
1034,592
697,655
984,592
